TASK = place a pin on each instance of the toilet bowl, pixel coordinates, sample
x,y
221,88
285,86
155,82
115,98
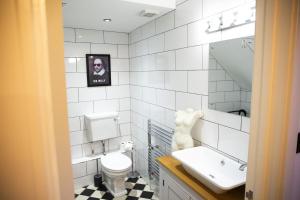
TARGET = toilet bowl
x,y
115,167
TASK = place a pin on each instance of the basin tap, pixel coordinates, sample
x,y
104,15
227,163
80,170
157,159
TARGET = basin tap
x,y
243,166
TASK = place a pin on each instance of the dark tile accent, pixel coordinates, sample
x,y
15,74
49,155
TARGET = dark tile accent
x,y
139,186
146,195
87,192
108,196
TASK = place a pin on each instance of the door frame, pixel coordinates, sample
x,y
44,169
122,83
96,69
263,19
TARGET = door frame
x,y
273,100
35,146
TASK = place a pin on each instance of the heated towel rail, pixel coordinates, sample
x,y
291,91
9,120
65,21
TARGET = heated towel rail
x,y
159,144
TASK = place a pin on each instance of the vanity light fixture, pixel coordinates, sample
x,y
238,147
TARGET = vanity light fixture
x,y
107,20
238,17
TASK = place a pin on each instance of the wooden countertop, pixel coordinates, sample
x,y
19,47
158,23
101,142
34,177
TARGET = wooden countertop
x,y
175,167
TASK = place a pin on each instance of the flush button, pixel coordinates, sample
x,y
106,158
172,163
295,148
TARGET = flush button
x,y
298,144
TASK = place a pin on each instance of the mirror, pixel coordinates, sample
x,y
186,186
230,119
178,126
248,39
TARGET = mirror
x,y
230,75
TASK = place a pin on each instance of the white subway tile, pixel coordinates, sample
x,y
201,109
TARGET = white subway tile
x,y
125,129
156,79
197,33
233,142
157,113
92,167
121,91
141,48
78,137
123,78
233,96
216,75
156,43
76,151
81,65
70,64
125,104
216,97
165,22
165,60
204,102
176,80
149,95
246,124
114,78
79,170
69,35
115,38
189,58
132,50
226,119
176,38
78,109
76,49
205,56
135,92
123,51
148,62
135,35
170,118
211,7
179,1
124,116
106,106
76,80
105,49
83,181
90,94
72,95
212,86
187,12
74,124
84,35
186,100
198,82
225,86
166,98
120,65
148,29
206,132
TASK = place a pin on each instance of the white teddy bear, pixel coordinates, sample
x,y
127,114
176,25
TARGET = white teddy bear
x,y
185,120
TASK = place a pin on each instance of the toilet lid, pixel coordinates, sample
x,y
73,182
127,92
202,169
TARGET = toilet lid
x,y
116,162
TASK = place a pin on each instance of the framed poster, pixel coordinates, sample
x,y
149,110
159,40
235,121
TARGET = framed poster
x,y
98,70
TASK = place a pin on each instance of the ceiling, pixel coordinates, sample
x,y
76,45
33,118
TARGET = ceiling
x,y
125,16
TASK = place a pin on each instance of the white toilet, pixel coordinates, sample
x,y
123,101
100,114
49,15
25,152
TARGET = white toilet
x,y
116,165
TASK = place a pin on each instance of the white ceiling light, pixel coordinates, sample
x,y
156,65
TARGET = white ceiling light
x,y
107,20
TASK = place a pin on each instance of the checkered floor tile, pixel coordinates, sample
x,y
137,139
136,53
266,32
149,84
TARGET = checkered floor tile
x,y
137,189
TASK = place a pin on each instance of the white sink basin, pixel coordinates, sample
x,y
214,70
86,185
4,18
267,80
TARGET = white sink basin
x,y
214,170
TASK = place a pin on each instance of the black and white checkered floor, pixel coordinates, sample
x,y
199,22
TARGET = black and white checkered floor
x,y
137,189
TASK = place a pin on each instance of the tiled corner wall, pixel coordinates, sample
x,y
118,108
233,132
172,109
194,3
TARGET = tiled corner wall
x,y
169,71
82,99
224,93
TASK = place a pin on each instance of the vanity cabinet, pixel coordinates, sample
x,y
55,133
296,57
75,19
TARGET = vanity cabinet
x,y
173,189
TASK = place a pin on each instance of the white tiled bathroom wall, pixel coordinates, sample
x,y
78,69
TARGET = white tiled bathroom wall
x,y
169,60
83,100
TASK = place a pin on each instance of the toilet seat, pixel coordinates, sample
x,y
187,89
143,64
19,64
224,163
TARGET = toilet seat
x,y
115,162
